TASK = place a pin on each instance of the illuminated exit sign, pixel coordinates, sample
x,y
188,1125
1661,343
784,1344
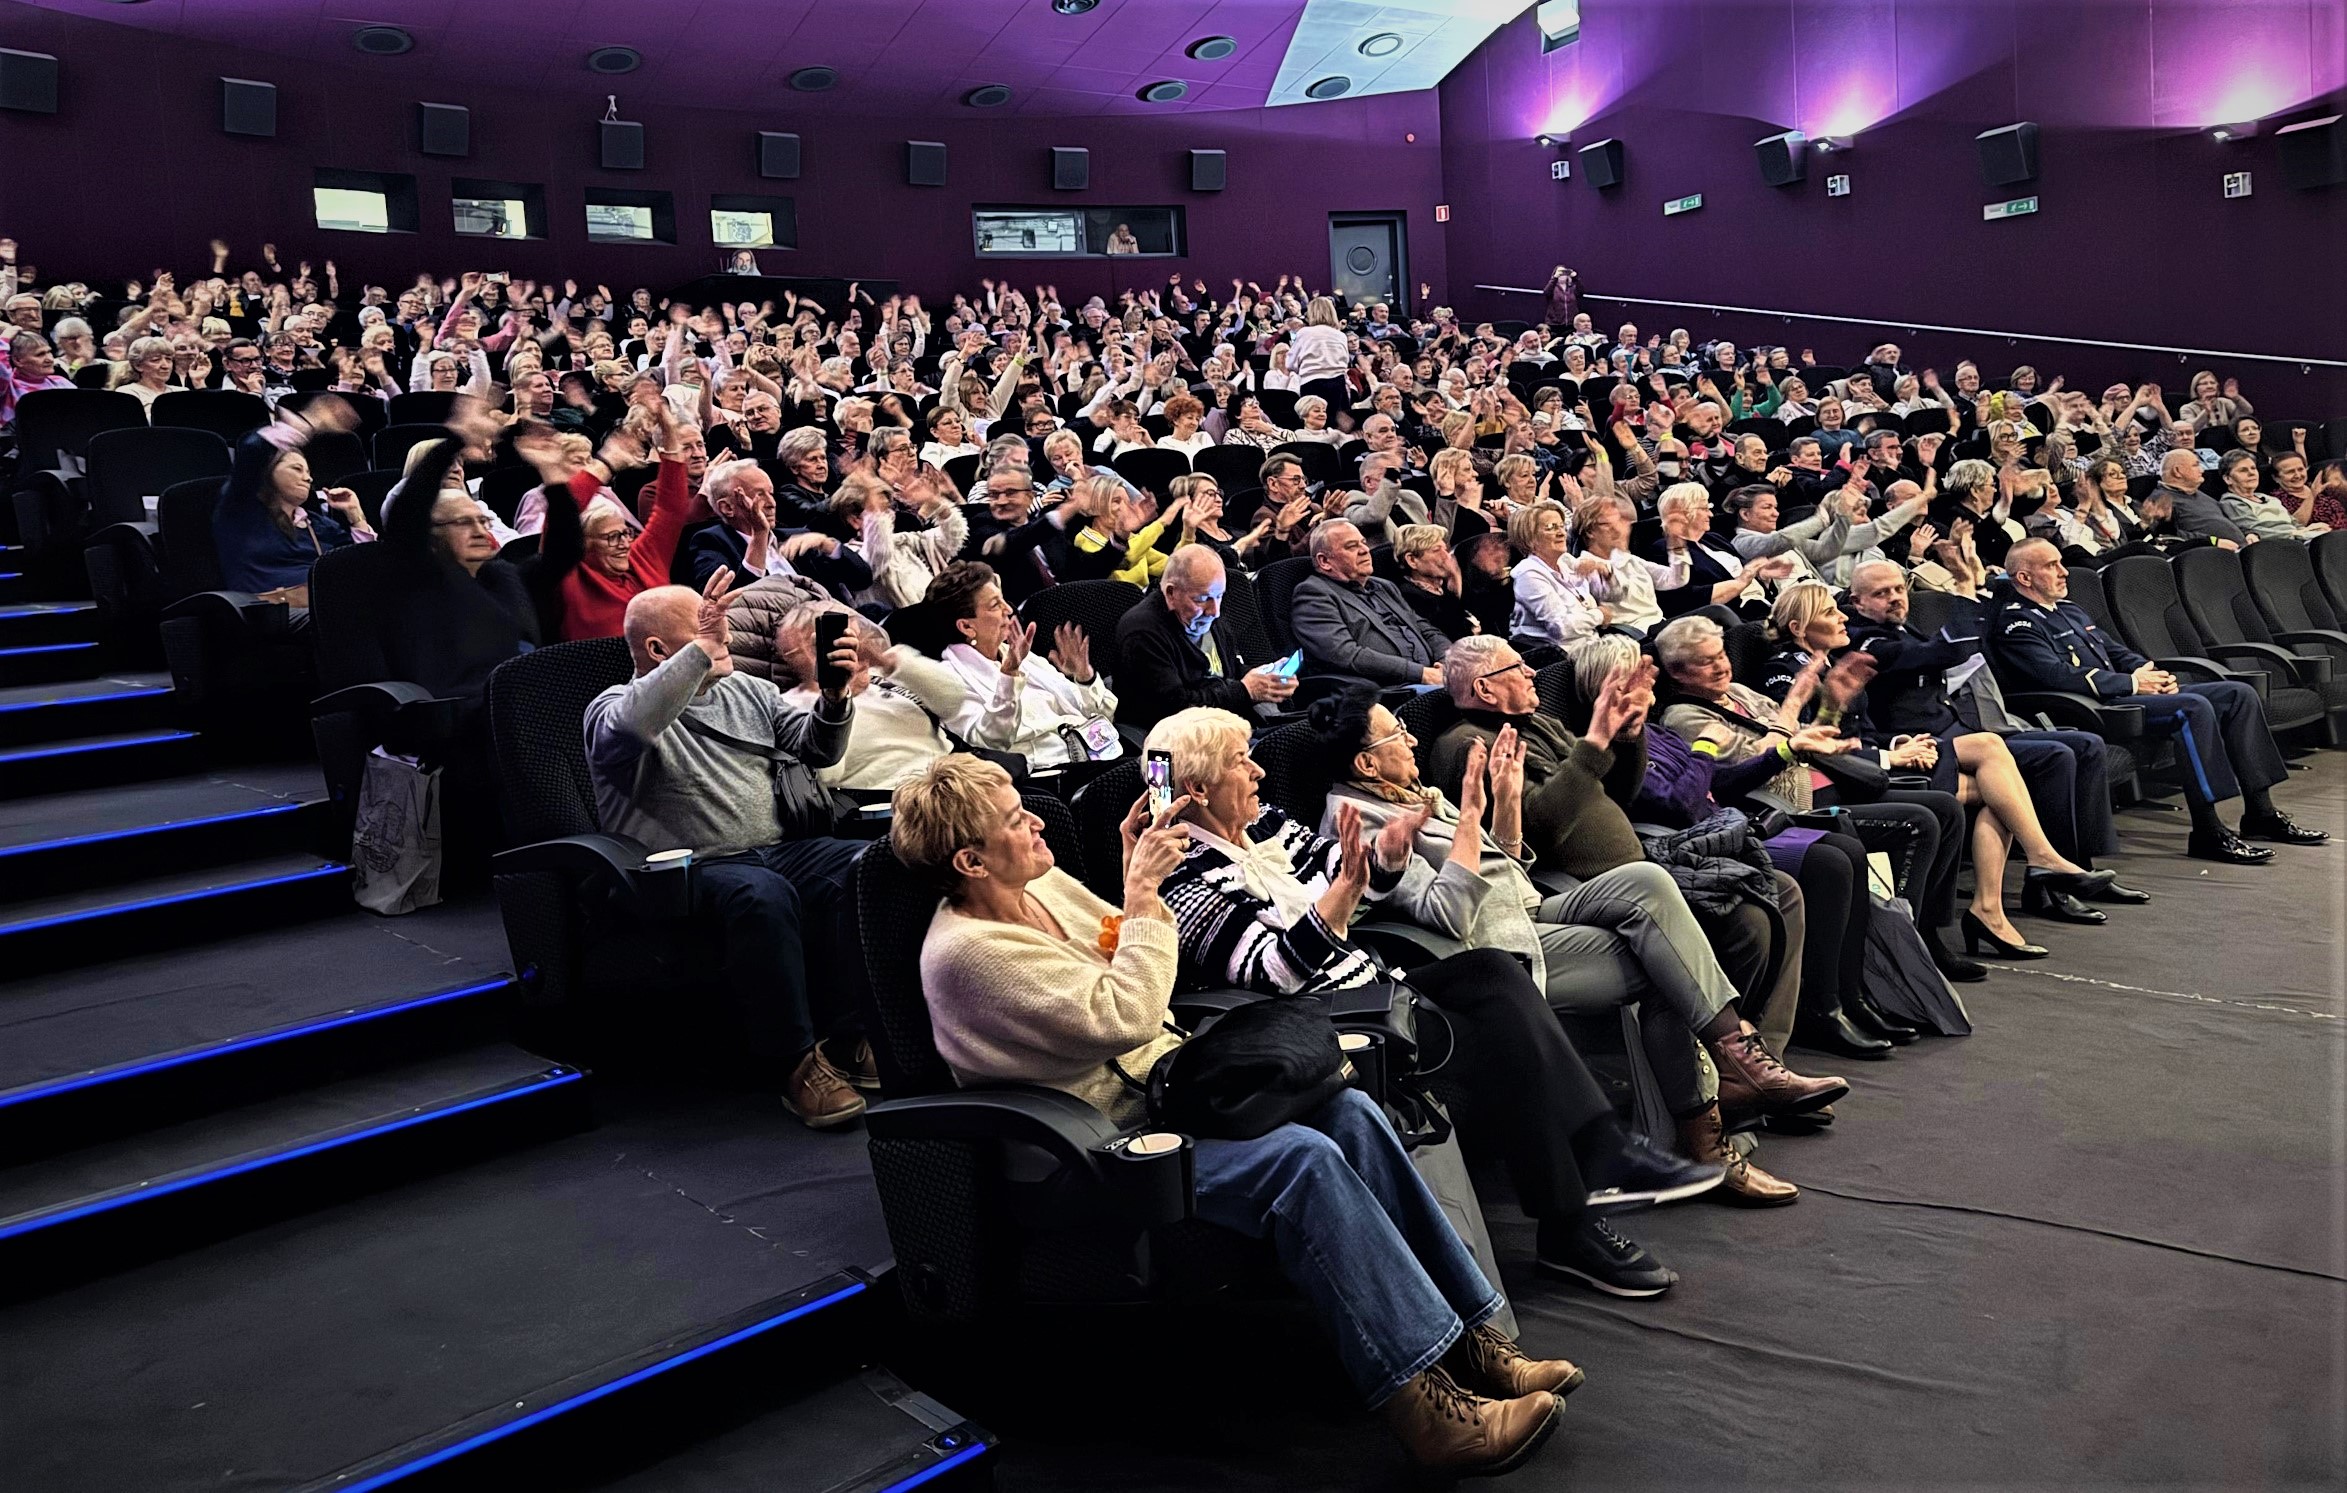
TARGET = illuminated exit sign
x,y
1678,205
2019,207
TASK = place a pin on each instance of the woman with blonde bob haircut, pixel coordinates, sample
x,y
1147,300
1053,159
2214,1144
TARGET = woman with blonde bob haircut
x,y
1029,978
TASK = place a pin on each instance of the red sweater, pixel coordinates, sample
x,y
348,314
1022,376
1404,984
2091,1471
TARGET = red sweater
x,y
594,601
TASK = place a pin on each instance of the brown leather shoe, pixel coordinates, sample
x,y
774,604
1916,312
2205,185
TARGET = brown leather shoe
x,y
1752,1081
858,1066
1485,1362
818,1095
1445,1429
1702,1138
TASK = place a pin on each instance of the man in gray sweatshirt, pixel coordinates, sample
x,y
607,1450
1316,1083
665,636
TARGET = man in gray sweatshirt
x,y
671,756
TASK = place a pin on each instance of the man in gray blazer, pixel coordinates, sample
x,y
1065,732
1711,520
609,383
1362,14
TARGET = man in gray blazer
x,y
1348,621
2198,516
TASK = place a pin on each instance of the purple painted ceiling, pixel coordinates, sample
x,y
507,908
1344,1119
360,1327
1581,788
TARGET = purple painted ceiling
x,y
891,55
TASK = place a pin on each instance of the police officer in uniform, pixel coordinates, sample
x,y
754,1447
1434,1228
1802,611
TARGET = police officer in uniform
x,y
2040,641
2063,770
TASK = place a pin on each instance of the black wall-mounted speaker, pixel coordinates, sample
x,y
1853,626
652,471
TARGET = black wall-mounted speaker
x,y
28,82
778,156
248,107
622,141
924,163
2008,156
1071,168
1784,159
1209,170
2314,152
445,129
1601,163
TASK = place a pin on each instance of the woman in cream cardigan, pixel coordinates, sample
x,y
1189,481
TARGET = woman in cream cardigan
x,y
1032,979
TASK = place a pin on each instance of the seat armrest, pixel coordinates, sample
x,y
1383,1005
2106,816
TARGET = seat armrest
x,y
1189,1008
1399,941
2280,662
1090,1177
577,856
138,533
238,608
2325,638
2198,670
2063,710
399,714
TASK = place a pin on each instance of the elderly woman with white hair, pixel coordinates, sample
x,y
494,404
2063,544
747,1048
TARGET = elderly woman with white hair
x,y
1625,936
146,374
1969,492
805,458
1263,902
904,561
1553,602
1029,978
1701,571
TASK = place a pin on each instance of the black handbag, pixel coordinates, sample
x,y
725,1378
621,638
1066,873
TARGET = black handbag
x,y
1249,1071
806,809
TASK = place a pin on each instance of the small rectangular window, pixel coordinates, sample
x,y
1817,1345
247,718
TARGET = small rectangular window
x,y
739,220
363,201
617,216
742,230
497,209
351,211
1063,233
619,220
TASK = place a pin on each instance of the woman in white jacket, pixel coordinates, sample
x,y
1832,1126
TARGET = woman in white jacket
x,y
903,564
1552,587
1052,711
896,732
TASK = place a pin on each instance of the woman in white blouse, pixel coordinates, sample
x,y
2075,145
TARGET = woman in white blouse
x,y
949,437
1626,585
1552,591
1051,710
1186,412
1317,352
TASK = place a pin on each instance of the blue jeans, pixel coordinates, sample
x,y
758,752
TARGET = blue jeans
x,y
1357,1232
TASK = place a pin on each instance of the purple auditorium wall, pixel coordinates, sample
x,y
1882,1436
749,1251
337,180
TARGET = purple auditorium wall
x,y
134,172
2133,239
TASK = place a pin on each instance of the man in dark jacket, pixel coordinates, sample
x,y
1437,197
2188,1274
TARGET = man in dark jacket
x,y
743,497
1908,696
2044,641
1350,621
1173,651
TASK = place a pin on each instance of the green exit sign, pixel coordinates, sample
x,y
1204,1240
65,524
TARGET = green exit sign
x,y
2019,207
1679,205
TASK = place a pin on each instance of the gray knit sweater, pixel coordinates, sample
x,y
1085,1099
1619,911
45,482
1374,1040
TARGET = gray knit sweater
x,y
671,789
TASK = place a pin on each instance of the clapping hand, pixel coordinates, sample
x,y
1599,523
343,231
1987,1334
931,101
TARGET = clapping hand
x,y
1798,694
1821,741
1071,652
1397,835
710,628
1352,876
1847,676
1915,751
1016,646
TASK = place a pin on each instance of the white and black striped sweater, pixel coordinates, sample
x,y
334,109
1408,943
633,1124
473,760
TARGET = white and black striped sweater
x,y
1230,937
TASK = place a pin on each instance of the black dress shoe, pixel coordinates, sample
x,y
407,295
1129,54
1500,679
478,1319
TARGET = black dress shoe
x,y
1976,933
2040,898
2281,828
1952,965
2111,891
2227,847
2075,883
1874,1020
1834,1032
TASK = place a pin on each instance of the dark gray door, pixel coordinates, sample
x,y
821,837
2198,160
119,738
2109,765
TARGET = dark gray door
x,y
1366,258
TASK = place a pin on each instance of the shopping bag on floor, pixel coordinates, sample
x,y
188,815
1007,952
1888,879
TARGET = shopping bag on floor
x,y
1444,1171
395,849
1901,978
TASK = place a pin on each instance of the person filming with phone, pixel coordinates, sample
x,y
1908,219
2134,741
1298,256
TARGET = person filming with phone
x,y
1174,650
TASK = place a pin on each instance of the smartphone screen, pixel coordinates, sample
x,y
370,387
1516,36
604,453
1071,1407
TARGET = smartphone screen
x,y
1157,768
830,627
1288,666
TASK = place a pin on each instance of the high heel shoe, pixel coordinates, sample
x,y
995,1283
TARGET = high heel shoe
x,y
1976,933
1873,1018
2041,898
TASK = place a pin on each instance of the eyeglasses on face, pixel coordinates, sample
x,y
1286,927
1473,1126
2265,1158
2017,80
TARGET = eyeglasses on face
x,y
477,521
1505,669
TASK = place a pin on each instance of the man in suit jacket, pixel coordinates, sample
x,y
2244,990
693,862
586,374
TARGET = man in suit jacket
x,y
2197,515
1173,651
742,495
1351,622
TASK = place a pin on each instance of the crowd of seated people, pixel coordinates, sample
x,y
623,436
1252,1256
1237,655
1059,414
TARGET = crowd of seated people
x,y
1709,554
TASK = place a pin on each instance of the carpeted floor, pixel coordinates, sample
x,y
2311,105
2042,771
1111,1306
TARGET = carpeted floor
x,y
2102,1242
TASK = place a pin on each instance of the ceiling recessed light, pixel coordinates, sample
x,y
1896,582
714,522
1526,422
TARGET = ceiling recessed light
x,y
1169,91
814,79
1331,87
1213,48
614,60
382,41
1074,7
987,96
1383,44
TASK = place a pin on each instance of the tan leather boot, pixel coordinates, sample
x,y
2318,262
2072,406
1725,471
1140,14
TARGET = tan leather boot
x,y
1486,1362
1446,1429
1702,1138
818,1095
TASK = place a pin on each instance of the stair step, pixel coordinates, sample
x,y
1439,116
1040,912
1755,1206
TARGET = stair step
x,y
67,1216
60,841
40,663
568,1434
90,761
33,713
78,1109
136,917
27,623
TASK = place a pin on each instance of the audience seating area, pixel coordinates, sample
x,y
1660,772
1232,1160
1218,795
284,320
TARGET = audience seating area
x,y
229,1096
